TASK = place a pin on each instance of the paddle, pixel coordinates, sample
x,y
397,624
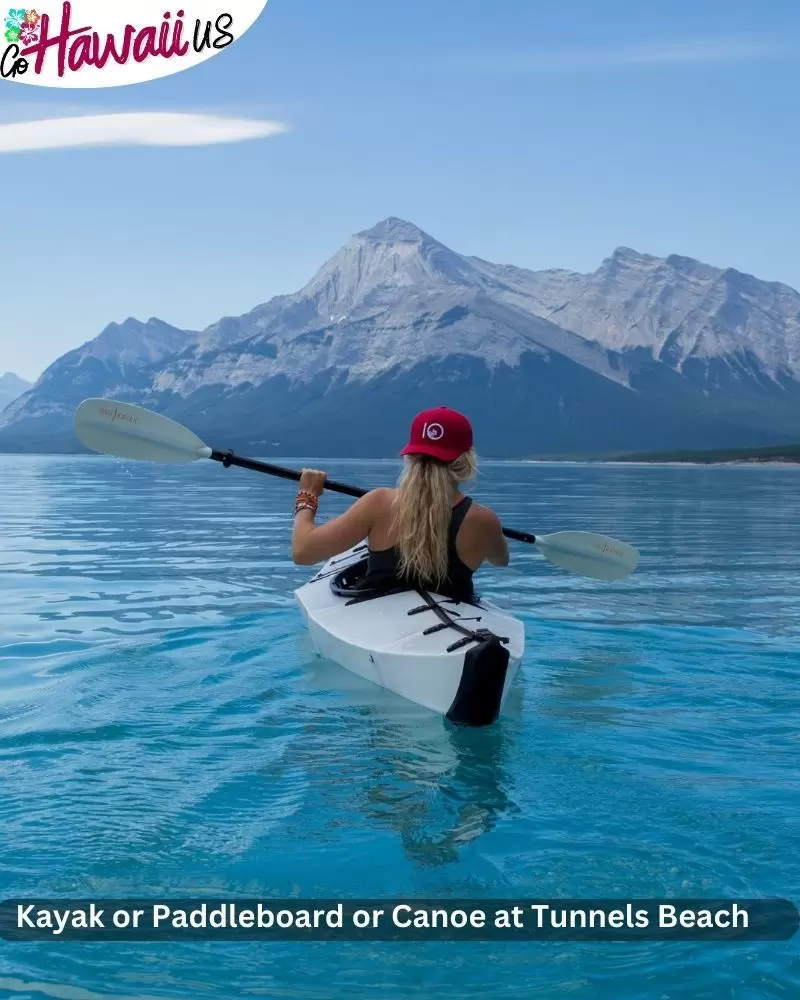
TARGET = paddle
x,y
128,431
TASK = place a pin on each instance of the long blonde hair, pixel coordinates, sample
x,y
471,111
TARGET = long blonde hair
x,y
423,507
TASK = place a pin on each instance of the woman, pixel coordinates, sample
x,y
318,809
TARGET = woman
x,y
425,533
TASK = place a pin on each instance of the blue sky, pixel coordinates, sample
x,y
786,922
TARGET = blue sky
x,y
537,133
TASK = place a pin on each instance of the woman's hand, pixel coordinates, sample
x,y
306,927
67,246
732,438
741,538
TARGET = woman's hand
x,y
313,481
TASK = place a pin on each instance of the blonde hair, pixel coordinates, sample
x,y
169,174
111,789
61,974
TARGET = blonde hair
x,y
423,508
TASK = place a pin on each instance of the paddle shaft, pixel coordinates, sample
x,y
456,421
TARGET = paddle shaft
x,y
228,458
133,433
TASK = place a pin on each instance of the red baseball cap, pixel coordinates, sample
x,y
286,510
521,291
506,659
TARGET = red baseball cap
x,y
441,433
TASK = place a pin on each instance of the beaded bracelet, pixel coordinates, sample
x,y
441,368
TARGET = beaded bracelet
x,y
305,501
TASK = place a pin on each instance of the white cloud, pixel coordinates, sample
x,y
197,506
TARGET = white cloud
x,y
698,51
147,128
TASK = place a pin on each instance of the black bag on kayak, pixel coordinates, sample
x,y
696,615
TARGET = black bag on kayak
x,y
483,676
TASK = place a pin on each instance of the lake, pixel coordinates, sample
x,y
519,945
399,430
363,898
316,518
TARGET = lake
x,y
165,731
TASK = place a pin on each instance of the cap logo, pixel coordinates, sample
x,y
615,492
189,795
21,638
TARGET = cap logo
x,y
433,432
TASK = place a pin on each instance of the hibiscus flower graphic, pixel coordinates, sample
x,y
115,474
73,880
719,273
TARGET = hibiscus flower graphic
x,y
12,35
15,19
28,35
32,18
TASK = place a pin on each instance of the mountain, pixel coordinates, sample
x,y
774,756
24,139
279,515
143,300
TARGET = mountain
x,y
677,309
118,362
11,386
644,353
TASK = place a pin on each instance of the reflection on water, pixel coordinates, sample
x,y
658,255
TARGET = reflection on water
x,y
435,785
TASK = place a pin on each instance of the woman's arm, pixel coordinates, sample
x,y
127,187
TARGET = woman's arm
x,y
312,543
497,546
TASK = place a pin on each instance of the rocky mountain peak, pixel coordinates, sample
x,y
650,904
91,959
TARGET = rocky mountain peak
x,y
11,388
393,254
394,230
9,381
627,255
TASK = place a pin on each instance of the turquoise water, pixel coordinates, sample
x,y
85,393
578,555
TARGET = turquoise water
x,y
165,730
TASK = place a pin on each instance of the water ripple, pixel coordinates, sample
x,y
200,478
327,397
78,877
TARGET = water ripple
x,y
164,730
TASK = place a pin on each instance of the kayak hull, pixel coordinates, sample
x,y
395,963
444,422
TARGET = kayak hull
x,y
453,658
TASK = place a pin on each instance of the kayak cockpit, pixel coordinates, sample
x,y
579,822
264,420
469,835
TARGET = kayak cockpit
x,y
348,583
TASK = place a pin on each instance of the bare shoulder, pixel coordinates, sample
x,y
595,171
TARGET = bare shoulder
x,y
379,499
489,529
484,517
382,495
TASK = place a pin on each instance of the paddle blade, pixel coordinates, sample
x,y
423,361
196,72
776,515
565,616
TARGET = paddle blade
x,y
583,552
129,431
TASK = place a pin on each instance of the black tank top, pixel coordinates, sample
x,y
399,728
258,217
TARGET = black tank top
x,y
383,569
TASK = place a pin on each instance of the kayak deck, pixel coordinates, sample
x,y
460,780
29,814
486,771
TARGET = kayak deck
x,y
422,646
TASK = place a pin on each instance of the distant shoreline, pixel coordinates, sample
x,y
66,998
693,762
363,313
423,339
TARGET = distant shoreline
x,y
737,463
773,456
618,461
639,463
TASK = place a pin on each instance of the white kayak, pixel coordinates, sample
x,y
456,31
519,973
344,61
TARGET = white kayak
x,y
458,659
